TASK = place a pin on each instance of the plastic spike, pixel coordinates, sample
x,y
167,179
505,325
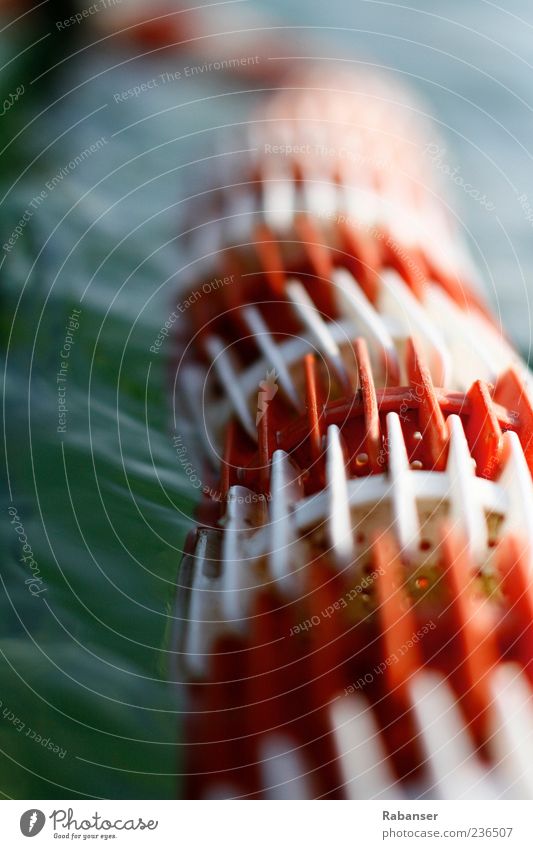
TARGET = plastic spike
x,y
432,424
510,391
373,439
470,648
483,431
313,408
515,568
397,622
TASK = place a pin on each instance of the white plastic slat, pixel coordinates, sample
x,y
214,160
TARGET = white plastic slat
x,y
361,756
285,490
192,383
278,200
515,480
237,579
338,519
362,203
354,304
317,327
511,740
222,791
202,611
466,510
292,351
284,775
271,352
240,216
229,379
429,487
473,359
397,301
449,754
321,196
403,498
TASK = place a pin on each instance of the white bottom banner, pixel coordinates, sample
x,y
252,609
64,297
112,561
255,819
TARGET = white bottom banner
x,y
267,824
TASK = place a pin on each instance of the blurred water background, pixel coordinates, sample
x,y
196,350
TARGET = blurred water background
x,y
104,506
